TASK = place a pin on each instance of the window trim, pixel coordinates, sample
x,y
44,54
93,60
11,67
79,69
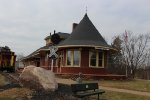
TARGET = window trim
x,y
60,57
97,59
72,57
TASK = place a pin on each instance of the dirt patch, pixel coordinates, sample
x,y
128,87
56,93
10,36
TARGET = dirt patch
x,y
3,80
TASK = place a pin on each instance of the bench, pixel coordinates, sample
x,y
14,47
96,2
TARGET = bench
x,y
86,89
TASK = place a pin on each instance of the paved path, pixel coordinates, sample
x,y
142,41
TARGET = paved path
x,y
126,91
69,81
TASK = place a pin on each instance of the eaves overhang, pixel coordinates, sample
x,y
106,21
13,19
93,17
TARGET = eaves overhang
x,y
93,46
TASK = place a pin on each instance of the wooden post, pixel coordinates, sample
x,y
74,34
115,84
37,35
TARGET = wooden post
x,y
52,65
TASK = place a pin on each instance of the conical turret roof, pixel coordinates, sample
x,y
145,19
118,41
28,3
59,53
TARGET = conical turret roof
x,y
85,34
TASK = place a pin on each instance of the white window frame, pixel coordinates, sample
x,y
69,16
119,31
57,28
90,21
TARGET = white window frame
x,y
97,59
72,56
61,58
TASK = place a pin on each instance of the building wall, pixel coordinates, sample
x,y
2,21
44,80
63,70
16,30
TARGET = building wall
x,y
105,58
32,61
84,64
76,70
83,68
84,58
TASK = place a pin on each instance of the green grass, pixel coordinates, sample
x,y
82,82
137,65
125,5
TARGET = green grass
x,y
137,85
109,95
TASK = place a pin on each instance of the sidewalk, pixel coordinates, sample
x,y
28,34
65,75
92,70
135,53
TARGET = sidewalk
x,y
125,91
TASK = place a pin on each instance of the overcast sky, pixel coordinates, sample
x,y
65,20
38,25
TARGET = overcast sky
x,y
25,23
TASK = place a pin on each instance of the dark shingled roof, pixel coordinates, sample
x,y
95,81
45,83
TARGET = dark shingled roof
x,y
85,34
33,54
61,34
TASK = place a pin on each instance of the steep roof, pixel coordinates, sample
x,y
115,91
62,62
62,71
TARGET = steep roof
x,y
85,34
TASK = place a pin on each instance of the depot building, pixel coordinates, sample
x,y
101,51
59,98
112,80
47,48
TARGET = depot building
x,y
84,50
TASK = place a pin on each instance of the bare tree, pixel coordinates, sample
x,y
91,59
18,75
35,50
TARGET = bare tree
x,y
147,67
117,66
148,58
135,50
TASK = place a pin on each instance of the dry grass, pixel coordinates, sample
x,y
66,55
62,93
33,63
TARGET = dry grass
x,y
15,93
109,95
3,80
138,85
12,94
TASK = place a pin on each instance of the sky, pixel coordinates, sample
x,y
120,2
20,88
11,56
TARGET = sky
x,y
25,23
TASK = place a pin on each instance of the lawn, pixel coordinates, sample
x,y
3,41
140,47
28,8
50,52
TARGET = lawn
x,y
15,94
138,85
110,95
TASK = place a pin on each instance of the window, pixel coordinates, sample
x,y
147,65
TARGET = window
x,y
55,62
96,58
100,58
69,56
93,58
61,60
73,58
76,58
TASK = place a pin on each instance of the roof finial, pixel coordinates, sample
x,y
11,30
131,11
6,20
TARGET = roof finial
x,y
86,9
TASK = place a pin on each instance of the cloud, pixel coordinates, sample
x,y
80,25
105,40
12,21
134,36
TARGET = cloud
x,y
25,23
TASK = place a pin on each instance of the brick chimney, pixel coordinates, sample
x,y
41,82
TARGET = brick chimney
x,y
74,25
